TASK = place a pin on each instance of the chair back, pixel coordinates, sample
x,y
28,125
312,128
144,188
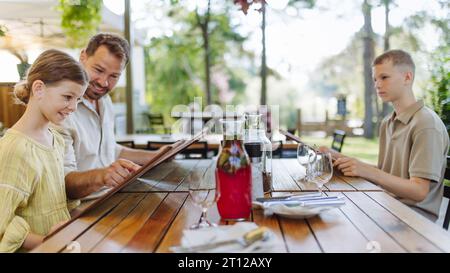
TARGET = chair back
x,y
195,151
156,123
127,143
447,194
338,140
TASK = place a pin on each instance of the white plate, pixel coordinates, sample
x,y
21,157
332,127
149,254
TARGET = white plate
x,y
298,212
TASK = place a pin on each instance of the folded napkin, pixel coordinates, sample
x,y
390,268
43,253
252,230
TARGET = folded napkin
x,y
195,237
298,209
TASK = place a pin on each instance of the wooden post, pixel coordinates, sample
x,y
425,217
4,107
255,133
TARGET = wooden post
x,y
129,75
299,121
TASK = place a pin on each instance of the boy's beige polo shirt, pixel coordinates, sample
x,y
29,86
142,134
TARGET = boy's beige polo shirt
x,y
415,144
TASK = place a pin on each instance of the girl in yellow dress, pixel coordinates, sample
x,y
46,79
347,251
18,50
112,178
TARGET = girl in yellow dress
x,y
32,190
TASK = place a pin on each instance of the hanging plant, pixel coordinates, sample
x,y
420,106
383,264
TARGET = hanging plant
x,y
80,20
2,30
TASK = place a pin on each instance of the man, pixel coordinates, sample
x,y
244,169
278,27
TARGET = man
x,y
413,140
93,158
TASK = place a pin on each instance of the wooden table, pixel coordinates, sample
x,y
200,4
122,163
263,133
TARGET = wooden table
x,y
150,214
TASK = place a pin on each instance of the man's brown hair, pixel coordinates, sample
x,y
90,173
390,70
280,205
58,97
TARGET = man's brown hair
x,y
398,58
114,43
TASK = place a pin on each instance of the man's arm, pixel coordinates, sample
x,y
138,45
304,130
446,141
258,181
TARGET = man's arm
x,y
142,157
137,156
415,188
81,184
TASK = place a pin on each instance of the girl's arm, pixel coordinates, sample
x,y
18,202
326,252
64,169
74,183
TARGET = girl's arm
x,y
32,240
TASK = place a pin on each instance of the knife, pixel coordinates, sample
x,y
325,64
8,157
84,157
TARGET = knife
x,y
330,200
288,197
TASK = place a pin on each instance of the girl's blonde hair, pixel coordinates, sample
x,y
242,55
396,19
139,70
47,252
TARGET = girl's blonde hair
x,y
51,66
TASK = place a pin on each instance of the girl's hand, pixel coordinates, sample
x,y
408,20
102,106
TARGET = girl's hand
x,y
56,226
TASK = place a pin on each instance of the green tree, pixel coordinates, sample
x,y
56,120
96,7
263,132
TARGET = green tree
x,y
2,30
176,65
265,71
80,20
368,56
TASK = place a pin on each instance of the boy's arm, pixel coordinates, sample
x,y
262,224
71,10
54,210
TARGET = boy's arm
x,y
415,188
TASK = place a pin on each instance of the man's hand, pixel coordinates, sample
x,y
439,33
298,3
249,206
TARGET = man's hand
x,y
118,171
351,166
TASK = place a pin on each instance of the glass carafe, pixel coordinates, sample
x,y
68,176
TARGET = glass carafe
x,y
233,174
259,149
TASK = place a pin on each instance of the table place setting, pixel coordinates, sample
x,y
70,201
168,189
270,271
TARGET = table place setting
x,y
242,237
299,206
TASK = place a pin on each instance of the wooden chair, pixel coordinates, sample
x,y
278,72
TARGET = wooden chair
x,y
338,140
198,150
127,143
447,194
292,130
156,123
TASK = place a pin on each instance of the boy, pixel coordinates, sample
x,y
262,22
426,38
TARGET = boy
x,y
413,140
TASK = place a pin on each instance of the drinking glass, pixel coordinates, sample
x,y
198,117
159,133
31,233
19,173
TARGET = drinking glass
x,y
321,170
204,193
306,157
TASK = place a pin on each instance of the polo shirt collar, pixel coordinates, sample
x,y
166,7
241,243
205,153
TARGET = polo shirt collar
x,y
409,112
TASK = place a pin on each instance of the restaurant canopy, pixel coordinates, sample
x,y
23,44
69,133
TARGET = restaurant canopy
x,y
36,24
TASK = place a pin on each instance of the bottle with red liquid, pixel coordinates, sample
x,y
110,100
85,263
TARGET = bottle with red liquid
x,y
234,174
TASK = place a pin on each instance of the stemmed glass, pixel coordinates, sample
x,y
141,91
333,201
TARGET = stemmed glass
x,y
322,170
204,193
306,157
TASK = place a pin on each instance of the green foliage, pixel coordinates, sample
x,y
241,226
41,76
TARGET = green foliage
x,y
358,147
2,30
175,63
439,85
80,20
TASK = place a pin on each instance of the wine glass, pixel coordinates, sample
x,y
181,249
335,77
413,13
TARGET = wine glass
x,y
322,170
204,193
306,157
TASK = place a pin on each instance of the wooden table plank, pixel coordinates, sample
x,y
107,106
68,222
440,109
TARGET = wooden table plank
x,y
152,232
335,233
201,167
292,168
272,223
298,236
175,177
369,228
189,215
359,183
100,229
122,233
282,181
394,225
337,184
65,236
431,231
146,182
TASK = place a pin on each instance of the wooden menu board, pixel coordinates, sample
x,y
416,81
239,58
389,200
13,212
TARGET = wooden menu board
x,y
165,153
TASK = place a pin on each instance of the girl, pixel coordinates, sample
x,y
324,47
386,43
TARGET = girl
x,y
32,190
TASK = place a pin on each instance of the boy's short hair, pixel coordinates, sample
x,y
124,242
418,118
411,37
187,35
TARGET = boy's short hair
x,y
114,43
398,58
